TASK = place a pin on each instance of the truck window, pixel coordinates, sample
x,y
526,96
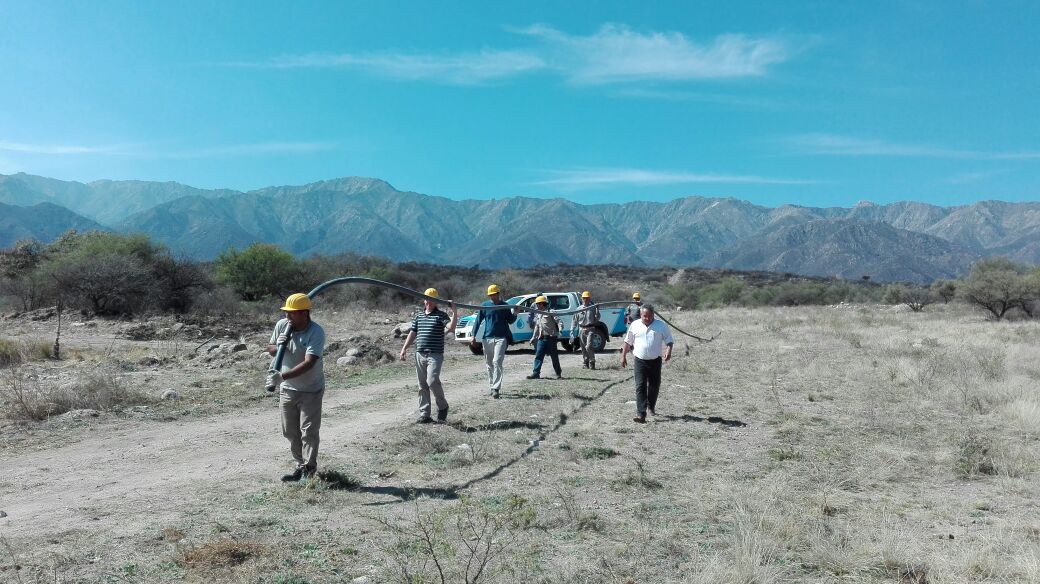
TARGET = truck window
x,y
558,302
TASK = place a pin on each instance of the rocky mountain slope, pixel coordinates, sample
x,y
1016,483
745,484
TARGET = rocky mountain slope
x,y
899,241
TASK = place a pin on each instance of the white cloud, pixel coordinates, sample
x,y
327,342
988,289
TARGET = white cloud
x,y
261,148
461,69
831,145
152,151
605,177
55,149
617,54
614,54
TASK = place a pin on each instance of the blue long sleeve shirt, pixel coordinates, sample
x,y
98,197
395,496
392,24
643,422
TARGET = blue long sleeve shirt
x,y
496,322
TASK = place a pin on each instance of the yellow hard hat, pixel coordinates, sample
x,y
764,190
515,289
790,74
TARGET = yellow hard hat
x,y
635,296
297,302
586,294
432,292
492,289
541,300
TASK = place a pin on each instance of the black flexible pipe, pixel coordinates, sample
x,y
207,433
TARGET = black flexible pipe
x,y
276,365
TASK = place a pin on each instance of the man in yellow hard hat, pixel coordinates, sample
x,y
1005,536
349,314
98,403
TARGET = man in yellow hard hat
x,y
428,328
302,382
587,321
546,333
495,337
632,311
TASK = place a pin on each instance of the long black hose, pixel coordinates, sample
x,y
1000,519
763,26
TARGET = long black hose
x,y
276,365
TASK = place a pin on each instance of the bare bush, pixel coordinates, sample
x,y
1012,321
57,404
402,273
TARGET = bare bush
x,y
459,543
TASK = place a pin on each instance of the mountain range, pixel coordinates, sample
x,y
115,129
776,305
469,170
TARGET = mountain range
x,y
900,241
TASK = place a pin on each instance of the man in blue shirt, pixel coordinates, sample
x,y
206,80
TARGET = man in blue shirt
x,y
496,337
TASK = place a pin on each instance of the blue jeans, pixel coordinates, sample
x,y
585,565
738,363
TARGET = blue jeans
x,y
546,345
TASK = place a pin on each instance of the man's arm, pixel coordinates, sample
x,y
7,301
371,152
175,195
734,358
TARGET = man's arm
x,y
476,326
625,348
309,361
407,343
454,318
668,352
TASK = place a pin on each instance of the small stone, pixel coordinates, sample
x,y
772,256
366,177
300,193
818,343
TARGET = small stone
x,y
3,513
353,352
170,394
361,580
345,361
238,347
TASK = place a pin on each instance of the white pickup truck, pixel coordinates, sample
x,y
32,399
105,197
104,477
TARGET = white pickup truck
x,y
611,322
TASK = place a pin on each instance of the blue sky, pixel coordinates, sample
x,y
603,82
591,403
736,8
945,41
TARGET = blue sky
x,y
807,102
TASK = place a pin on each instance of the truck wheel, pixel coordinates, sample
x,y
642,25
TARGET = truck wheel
x,y
477,349
598,340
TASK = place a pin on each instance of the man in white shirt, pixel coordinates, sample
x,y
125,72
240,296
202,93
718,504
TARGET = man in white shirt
x,y
649,341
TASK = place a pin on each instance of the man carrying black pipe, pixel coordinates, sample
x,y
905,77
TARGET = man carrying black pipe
x,y
428,328
302,382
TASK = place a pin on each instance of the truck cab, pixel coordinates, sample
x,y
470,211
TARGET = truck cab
x,y
612,322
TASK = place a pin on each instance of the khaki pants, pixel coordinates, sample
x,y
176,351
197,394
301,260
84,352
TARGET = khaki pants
x,y
301,421
588,355
494,359
428,370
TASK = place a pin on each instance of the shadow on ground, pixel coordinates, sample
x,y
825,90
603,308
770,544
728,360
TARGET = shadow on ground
x,y
709,419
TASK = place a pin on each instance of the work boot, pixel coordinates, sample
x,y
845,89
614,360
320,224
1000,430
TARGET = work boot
x,y
533,376
309,472
559,376
592,366
442,415
639,419
424,420
294,476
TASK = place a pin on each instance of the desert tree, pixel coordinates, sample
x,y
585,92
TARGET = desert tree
x,y
259,271
914,297
945,289
996,285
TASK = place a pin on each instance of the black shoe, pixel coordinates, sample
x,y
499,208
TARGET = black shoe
x,y
442,415
653,412
309,473
559,376
424,420
639,419
592,366
534,376
495,395
294,476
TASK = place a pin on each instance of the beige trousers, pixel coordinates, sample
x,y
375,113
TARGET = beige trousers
x,y
301,421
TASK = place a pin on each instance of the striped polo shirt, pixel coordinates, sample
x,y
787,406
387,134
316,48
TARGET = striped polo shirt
x,y
429,330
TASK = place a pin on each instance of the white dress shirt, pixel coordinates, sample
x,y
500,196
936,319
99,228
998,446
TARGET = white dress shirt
x,y
648,342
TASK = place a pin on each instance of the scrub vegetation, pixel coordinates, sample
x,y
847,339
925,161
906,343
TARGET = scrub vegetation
x,y
841,442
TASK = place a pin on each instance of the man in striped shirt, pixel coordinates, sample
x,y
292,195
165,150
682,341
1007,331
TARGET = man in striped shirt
x,y
428,328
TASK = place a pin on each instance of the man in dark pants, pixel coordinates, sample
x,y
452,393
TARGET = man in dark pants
x,y
546,333
647,339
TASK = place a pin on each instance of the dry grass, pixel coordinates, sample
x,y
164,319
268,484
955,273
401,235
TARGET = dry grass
x,y
31,400
833,445
224,553
15,352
